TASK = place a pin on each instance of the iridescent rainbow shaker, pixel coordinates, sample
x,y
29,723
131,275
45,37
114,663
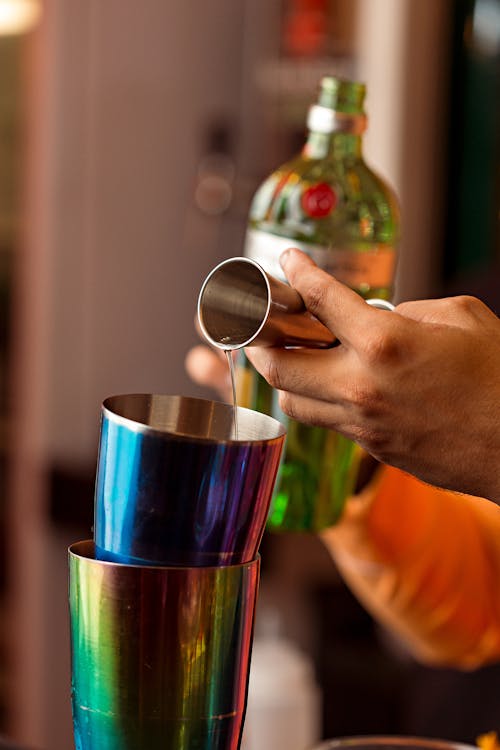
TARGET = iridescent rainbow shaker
x,y
162,606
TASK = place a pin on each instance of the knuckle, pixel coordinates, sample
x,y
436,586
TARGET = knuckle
x,y
381,347
271,373
316,295
466,303
286,403
451,307
373,440
366,398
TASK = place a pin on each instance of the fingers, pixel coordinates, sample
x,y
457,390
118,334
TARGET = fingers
x,y
343,418
342,310
462,311
206,367
313,411
306,372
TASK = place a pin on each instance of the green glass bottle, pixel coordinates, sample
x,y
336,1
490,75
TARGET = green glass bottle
x,y
329,203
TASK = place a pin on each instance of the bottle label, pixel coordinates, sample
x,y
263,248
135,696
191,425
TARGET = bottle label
x,y
360,269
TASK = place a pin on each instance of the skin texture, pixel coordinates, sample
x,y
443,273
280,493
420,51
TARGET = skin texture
x,y
417,388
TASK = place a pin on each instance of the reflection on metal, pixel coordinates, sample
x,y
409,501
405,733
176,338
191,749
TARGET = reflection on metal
x,y
242,305
174,486
160,656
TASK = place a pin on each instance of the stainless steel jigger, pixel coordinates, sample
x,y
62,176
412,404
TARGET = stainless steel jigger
x,y
241,305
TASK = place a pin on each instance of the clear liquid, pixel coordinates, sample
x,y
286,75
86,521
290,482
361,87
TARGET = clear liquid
x,y
230,362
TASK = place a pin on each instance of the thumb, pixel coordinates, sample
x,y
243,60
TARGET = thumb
x,y
341,309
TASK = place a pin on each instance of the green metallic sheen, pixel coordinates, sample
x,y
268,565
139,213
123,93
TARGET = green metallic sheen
x,y
160,656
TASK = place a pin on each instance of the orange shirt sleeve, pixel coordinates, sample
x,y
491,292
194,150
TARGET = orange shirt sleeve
x,y
426,563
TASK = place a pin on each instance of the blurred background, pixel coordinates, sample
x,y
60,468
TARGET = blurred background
x,y
132,137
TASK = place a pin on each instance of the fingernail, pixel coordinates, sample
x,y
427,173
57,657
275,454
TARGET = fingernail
x,y
284,258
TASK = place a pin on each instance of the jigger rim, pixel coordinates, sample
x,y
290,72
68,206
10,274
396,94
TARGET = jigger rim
x,y
227,346
85,550
270,429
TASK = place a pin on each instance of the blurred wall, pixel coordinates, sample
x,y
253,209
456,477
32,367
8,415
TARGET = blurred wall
x,y
133,88
120,95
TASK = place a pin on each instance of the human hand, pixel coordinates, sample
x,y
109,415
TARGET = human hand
x,y
418,388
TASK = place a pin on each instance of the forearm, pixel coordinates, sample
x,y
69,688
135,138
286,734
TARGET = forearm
x,y
426,563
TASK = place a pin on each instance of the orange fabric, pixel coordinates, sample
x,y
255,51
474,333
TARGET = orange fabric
x,y
426,562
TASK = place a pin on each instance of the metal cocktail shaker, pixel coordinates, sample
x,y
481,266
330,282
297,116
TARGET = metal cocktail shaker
x,y
162,604
176,486
160,655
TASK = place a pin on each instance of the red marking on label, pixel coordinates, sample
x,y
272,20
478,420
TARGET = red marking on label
x,y
318,200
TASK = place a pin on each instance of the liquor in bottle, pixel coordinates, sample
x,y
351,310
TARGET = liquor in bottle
x,y
327,202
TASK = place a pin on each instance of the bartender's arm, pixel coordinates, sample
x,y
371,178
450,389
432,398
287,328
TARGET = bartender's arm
x,y
426,563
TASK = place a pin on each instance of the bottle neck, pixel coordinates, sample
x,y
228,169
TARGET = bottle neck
x,y
332,145
333,133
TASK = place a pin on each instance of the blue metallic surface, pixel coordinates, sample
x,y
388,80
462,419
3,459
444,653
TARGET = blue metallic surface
x,y
182,490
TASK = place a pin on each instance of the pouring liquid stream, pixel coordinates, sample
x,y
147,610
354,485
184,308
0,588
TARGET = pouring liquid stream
x,y
230,363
